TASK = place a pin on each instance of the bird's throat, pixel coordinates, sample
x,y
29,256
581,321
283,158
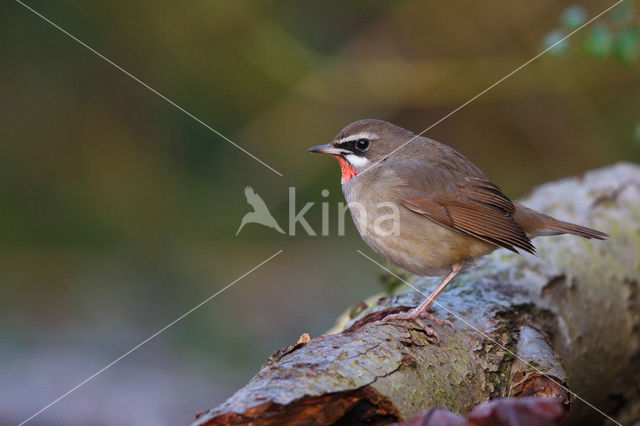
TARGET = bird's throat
x,y
348,172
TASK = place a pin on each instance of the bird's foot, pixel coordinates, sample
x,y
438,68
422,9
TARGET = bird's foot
x,y
417,317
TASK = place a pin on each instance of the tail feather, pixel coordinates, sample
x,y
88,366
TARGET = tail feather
x,y
571,228
539,224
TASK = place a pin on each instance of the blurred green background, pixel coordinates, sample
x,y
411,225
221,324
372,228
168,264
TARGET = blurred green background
x,y
118,212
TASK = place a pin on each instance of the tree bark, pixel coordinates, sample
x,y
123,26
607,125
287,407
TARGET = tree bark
x,y
563,324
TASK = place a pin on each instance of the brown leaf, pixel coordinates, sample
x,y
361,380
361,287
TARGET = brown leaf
x,y
436,417
527,411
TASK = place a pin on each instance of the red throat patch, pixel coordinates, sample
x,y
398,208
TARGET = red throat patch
x,y
348,172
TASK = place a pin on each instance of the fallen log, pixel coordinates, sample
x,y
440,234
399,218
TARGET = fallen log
x,y
564,324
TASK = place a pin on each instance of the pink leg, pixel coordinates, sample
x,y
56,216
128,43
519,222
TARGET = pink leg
x,y
422,310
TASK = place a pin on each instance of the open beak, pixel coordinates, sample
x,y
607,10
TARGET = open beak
x,y
328,149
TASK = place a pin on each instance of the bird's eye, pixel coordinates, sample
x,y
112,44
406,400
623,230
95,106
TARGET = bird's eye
x,y
362,144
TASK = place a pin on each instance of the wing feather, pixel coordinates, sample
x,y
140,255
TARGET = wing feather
x,y
466,202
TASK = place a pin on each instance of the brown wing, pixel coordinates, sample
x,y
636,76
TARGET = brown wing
x,y
461,198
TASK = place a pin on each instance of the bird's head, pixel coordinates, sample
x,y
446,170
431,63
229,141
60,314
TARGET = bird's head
x,y
362,144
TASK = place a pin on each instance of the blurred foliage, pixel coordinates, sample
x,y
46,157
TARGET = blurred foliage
x,y
615,35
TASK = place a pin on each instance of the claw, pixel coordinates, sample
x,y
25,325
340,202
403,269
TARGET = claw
x,y
416,316
430,331
437,320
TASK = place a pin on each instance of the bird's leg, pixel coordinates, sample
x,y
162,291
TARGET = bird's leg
x,y
425,306
422,310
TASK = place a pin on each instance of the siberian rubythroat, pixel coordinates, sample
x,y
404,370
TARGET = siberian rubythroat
x,y
447,212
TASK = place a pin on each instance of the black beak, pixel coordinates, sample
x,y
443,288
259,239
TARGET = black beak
x,y
328,149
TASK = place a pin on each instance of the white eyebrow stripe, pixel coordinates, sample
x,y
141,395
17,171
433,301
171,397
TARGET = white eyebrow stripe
x,y
355,137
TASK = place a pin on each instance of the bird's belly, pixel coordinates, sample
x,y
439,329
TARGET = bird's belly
x,y
420,245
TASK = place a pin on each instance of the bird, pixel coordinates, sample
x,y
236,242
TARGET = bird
x,y
446,213
260,213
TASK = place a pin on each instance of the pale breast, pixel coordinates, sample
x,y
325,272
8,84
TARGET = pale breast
x,y
403,237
